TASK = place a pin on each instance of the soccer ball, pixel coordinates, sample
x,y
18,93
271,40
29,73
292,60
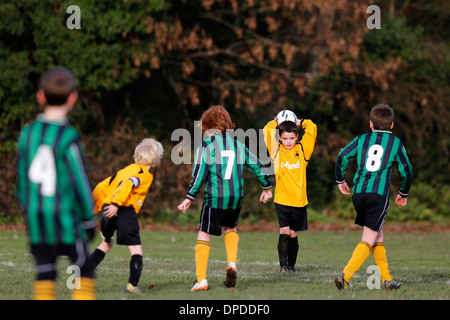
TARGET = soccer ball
x,y
286,115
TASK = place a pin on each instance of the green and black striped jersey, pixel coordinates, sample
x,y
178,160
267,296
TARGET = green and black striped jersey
x,y
53,187
375,154
219,162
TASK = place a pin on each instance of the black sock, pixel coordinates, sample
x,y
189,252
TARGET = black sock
x,y
283,247
96,257
293,251
135,269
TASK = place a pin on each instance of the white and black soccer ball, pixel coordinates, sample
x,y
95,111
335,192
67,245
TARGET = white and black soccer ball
x,y
286,115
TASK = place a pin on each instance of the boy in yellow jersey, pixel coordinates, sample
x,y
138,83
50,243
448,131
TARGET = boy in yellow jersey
x,y
290,159
118,199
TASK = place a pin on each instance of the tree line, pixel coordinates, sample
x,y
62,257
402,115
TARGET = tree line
x,y
146,68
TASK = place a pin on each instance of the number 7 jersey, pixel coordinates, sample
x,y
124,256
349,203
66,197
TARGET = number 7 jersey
x,y
375,153
219,163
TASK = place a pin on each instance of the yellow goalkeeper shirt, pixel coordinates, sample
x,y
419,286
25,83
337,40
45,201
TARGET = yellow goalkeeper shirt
x,y
127,188
290,165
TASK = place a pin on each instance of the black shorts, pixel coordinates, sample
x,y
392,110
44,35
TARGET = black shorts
x,y
127,226
371,210
45,256
212,220
296,218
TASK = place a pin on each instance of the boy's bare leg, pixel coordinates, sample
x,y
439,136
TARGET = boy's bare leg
x,y
371,236
203,236
137,249
105,246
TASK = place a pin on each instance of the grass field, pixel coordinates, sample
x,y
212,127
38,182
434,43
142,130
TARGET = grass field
x,y
420,260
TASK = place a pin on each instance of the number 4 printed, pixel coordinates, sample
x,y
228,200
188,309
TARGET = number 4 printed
x,y
43,171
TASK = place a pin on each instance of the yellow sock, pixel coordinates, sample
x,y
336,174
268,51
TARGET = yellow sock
x,y
360,254
379,254
44,290
86,291
202,249
231,239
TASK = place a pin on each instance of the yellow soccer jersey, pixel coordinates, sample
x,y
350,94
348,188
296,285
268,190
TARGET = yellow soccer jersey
x,y
290,165
128,187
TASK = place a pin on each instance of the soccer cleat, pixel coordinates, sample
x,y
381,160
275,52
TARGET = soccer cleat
x,y
230,280
291,269
132,289
283,270
202,285
340,282
391,285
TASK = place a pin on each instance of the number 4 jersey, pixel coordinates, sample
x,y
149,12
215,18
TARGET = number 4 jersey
x,y
53,187
375,153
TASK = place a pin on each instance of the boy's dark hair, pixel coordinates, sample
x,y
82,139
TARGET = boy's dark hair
x,y
57,83
382,117
287,126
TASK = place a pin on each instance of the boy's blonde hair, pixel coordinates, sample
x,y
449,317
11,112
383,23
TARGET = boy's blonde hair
x,y
148,152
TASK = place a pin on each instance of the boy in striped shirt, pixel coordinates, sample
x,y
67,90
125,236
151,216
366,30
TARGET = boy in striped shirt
x,y
375,153
53,188
219,163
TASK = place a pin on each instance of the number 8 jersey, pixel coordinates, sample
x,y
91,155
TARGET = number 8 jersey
x,y
375,153
53,187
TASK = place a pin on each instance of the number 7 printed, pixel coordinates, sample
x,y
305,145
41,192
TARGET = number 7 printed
x,y
230,155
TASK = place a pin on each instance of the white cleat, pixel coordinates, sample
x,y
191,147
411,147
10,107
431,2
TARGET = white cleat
x,y
132,289
202,285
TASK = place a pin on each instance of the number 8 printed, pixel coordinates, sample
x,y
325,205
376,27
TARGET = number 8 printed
x,y
373,162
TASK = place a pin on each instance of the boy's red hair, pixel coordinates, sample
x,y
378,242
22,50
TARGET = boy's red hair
x,y
216,117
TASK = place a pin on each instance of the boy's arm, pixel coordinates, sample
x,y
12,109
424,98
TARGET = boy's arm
x,y
80,180
309,137
404,170
345,156
199,172
257,168
270,132
21,170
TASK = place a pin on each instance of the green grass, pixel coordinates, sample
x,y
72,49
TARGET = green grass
x,y
419,260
